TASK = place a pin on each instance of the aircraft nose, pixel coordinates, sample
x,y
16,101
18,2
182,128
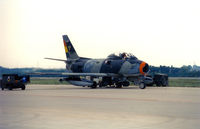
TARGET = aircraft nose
x,y
144,68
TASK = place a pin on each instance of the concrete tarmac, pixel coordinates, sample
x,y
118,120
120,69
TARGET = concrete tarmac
x,y
70,107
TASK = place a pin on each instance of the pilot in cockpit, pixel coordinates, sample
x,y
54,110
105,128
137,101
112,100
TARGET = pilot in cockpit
x,y
123,55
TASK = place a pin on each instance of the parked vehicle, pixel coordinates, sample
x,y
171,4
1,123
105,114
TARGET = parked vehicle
x,y
159,80
11,81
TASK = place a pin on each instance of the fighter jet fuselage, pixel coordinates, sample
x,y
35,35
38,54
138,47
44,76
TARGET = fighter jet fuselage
x,y
116,70
108,65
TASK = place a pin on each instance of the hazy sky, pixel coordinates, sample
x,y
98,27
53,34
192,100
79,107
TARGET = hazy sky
x,y
160,32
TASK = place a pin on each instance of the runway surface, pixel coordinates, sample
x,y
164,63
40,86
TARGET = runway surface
x,y
69,107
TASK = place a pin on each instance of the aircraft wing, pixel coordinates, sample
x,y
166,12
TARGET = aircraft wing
x,y
87,74
102,74
92,74
77,74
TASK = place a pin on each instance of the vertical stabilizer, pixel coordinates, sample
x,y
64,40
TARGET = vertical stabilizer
x,y
69,49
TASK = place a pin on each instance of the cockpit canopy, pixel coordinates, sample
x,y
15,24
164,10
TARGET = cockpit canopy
x,y
121,55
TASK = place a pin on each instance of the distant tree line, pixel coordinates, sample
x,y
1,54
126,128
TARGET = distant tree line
x,y
34,72
184,71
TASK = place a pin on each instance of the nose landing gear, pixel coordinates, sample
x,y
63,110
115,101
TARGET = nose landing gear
x,y
142,85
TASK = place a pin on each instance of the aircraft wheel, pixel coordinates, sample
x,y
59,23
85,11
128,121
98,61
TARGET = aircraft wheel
x,y
164,82
158,84
149,84
61,80
23,87
2,87
142,85
119,85
10,88
126,83
94,85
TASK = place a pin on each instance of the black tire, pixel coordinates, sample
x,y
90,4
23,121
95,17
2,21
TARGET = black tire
x,y
10,88
158,84
167,83
149,84
142,85
2,87
94,85
119,85
164,83
23,87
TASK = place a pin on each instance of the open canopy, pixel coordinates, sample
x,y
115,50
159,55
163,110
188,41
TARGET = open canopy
x,y
121,55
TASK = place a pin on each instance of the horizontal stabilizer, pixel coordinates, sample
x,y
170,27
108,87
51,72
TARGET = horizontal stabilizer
x,y
55,59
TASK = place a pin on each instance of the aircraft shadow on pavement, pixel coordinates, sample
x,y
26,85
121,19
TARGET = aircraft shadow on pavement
x,y
77,88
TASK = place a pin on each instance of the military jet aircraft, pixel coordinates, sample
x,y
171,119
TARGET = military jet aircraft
x,y
117,70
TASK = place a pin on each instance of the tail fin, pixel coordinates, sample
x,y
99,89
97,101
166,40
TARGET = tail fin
x,y
69,49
